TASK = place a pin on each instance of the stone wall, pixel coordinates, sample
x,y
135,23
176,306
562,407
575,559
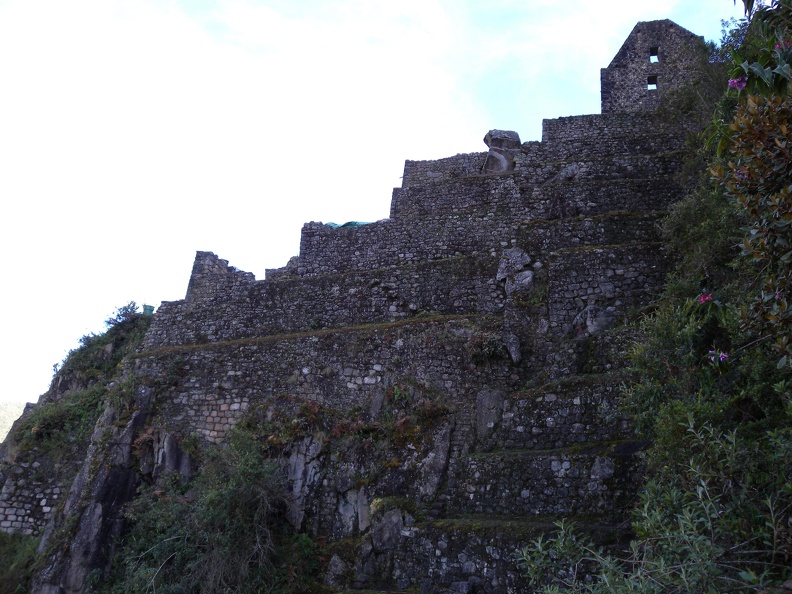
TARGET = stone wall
x,y
213,386
423,172
564,482
450,286
615,278
584,165
212,277
387,244
557,415
28,498
656,52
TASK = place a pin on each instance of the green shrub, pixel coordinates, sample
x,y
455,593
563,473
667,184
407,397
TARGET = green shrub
x,y
224,532
712,386
59,430
101,353
17,553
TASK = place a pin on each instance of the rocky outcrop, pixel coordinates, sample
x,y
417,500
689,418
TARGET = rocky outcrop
x,y
504,146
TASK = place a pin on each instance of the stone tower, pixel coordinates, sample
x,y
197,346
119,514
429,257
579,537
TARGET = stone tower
x,y
658,57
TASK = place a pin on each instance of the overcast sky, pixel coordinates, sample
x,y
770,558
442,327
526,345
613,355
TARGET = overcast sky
x,y
133,133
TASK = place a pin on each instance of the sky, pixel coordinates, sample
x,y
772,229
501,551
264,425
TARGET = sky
x,y
134,133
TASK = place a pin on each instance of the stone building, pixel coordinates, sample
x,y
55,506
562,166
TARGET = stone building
x,y
658,58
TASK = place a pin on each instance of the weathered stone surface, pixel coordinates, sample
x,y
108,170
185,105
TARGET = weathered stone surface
x,y
513,261
592,320
520,283
432,468
504,146
303,472
489,404
512,342
603,468
657,59
386,531
335,570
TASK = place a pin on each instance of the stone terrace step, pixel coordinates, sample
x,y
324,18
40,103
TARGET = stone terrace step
x,y
612,167
613,228
612,133
588,479
574,197
478,195
556,415
454,286
480,550
617,276
587,136
324,250
218,311
206,388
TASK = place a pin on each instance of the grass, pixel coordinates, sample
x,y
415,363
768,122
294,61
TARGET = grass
x,y
17,553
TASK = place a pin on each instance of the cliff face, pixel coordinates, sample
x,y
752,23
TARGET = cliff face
x,y
434,382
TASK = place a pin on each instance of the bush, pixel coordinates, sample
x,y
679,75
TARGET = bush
x,y
17,553
712,384
224,532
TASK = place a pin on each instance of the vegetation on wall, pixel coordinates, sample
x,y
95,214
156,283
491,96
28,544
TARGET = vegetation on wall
x,y
17,553
61,424
226,530
55,433
220,533
714,366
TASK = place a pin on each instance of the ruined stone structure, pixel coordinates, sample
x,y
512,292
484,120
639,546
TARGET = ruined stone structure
x,y
658,58
497,288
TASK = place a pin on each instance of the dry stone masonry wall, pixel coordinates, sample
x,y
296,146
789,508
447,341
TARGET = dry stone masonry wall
x,y
27,499
487,311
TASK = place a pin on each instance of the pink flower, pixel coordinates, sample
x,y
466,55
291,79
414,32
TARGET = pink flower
x,y
712,355
738,83
704,297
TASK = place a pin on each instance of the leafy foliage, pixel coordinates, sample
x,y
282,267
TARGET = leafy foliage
x,y
59,427
17,553
125,313
757,177
100,354
713,366
763,64
222,533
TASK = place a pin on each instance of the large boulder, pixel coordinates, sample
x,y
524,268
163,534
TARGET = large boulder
x,y
504,146
592,320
